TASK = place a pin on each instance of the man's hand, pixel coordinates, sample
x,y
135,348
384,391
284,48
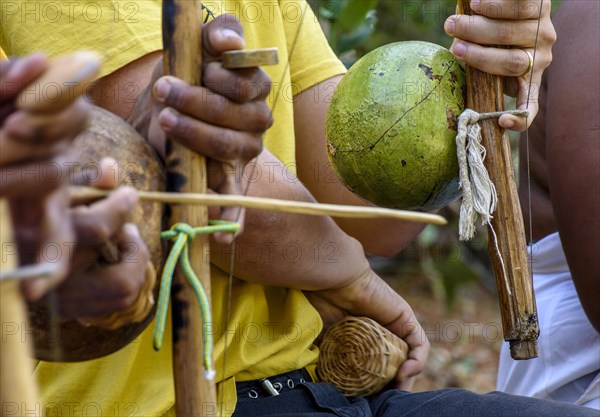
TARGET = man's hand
x,y
31,144
223,120
95,287
500,40
370,296
31,160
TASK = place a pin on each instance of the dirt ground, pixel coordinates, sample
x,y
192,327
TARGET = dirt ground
x,y
465,337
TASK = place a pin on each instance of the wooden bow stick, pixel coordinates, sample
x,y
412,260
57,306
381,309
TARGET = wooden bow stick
x,y
272,204
186,172
485,93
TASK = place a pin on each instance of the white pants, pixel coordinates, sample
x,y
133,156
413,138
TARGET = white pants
x,y
568,366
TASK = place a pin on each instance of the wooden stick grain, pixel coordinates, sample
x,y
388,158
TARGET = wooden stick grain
x,y
284,206
250,58
195,395
18,389
513,276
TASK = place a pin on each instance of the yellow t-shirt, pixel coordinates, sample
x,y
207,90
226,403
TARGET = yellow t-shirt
x,y
271,330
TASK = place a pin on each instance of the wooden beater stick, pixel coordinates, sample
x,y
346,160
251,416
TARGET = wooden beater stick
x,y
485,93
18,390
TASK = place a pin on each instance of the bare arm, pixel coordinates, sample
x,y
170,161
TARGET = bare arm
x,y
573,145
313,253
379,237
134,77
307,252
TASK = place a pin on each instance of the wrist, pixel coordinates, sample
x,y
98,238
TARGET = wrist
x,y
140,117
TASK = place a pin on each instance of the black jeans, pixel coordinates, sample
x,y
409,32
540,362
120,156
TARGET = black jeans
x,y
324,400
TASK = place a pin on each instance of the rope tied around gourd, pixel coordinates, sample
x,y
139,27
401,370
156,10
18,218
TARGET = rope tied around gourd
x,y
181,234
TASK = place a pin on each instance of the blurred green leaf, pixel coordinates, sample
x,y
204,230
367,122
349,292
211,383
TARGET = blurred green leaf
x,y
455,274
347,24
325,13
428,236
353,39
333,7
354,13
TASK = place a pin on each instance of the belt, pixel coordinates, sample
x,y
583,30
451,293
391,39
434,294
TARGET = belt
x,y
273,385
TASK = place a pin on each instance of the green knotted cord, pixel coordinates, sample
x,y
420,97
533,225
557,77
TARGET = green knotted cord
x,y
181,234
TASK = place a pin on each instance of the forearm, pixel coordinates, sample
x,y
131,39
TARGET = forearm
x,y
312,253
118,92
287,249
383,237
379,237
573,149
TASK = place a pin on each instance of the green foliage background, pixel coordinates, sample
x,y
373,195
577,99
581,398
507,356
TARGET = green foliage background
x,y
359,26
355,27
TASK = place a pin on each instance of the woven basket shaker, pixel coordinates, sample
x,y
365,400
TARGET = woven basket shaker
x,y
359,356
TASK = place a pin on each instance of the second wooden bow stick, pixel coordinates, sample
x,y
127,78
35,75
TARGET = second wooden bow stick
x,y
186,172
506,241
195,392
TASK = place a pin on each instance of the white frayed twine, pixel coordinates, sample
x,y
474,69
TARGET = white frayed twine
x,y
479,193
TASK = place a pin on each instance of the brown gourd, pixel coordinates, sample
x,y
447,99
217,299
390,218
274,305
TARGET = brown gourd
x,y
58,339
